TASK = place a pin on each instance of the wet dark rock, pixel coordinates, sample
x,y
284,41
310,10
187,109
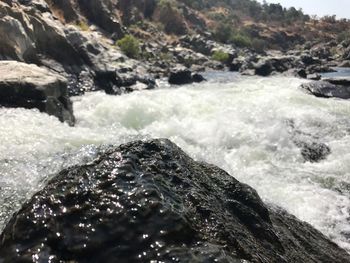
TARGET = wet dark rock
x,y
313,151
196,77
180,76
148,201
308,59
314,76
344,81
29,86
325,89
107,80
263,68
319,68
301,73
236,65
311,148
117,83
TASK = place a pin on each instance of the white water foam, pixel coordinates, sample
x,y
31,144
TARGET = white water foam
x,y
237,123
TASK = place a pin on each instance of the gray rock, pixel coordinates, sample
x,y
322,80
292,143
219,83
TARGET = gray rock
x,y
14,42
327,90
263,68
266,66
311,147
148,201
314,76
313,151
321,51
180,76
344,64
344,81
104,14
29,86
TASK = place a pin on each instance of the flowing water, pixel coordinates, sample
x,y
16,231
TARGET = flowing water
x,y
339,72
238,123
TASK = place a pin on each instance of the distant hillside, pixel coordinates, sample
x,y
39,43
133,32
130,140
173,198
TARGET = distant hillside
x,y
243,23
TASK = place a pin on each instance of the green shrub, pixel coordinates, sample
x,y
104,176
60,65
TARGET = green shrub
x,y
241,40
130,46
221,56
82,25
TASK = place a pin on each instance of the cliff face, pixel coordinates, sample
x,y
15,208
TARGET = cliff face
x,y
57,35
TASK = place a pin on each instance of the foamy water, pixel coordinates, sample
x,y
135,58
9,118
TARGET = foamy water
x,y
237,123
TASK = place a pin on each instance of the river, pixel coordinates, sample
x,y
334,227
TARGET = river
x,y
238,123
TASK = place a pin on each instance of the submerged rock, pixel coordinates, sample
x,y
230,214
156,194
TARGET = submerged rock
x,y
29,86
313,151
311,148
150,202
325,89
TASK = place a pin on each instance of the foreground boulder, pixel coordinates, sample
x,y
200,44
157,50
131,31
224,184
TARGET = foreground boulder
x,y
326,89
150,202
29,86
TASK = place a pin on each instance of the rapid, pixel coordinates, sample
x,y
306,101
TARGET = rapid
x,y
239,123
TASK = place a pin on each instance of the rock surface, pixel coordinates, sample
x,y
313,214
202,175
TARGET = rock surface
x,y
325,89
29,86
181,76
311,147
344,81
149,202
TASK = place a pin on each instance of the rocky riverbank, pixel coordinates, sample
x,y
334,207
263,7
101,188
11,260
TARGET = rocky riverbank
x,y
76,40
147,201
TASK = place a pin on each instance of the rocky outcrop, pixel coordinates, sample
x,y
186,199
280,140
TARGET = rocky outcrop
x,y
321,51
299,65
104,14
148,201
181,76
325,89
29,86
266,66
35,35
